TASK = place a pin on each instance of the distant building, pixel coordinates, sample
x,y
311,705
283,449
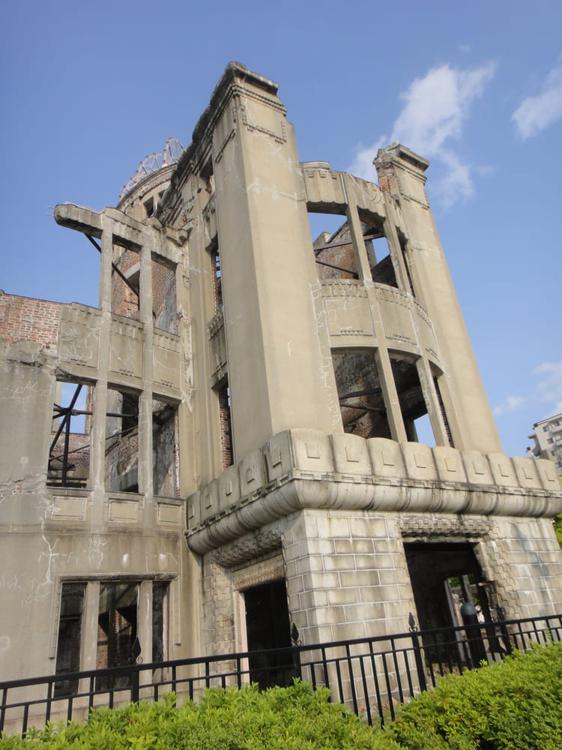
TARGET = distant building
x,y
547,437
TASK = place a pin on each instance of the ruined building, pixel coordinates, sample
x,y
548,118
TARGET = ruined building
x,y
228,445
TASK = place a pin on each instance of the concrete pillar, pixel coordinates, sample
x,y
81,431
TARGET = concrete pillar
x,y
145,400
431,401
274,354
98,433
89,647
401,175
144,626
356,231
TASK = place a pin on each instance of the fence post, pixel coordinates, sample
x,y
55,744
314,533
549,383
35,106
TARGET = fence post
x,y
505,632
420,667
135,685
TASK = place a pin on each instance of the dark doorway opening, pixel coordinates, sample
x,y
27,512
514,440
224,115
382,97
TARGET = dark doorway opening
x,y
268,627
445,578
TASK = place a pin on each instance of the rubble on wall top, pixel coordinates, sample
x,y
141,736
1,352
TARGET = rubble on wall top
x,y
169,155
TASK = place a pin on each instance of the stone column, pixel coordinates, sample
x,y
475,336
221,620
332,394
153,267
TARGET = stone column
x,y
145,400
98,431
269,276
401,175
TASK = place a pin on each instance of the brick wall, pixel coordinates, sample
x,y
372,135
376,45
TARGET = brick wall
x,y
29,319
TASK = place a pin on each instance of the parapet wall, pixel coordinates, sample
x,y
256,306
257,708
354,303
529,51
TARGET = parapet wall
x,y
29,319
301,468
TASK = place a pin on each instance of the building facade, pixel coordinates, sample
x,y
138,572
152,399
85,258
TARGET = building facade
x,y
547,440
228,444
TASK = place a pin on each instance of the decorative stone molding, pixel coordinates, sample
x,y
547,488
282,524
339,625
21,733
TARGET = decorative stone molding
x,y
300,469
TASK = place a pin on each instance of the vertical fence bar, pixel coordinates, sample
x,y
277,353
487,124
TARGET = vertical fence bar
x,y
135,685
388,687
49,699
420,667
397,670
365,691
3,709
351,678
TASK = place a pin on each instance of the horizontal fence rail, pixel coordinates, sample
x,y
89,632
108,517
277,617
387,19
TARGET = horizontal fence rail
x,y
370,675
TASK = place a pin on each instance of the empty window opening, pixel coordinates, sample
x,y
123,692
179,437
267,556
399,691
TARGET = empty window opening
x,y
217,276
445,577
117,631
227,447
125,282
149,207
441,403
160,591
268,627
407,260
333,249
122,442
69,636
411,399
360,394
207,176
164,296
164,449
380,258
69,452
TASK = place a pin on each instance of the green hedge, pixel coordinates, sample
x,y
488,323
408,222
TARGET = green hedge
x,y
294,718
513,705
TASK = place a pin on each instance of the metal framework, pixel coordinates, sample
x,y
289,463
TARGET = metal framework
x,y
372,676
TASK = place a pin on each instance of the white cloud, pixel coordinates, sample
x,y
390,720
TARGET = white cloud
x,y
362,164
435,110
549,387
536,113
511,403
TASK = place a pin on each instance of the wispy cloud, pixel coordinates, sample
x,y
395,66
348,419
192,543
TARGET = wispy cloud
x,y
536,113
509,404
549,387
432,118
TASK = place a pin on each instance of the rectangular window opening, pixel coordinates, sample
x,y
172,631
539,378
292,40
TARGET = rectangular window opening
x,y
441,403
227,447
149,207
125,282
411,399
380,258
332,246
69,452
122,441
164,306
164,449
217,276
69,636
360,393
117,631
407,258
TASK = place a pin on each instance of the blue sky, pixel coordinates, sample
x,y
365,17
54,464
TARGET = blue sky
x,y
88,89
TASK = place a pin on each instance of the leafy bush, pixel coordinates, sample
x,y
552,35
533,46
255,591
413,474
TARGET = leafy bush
x,y
513,705
295,718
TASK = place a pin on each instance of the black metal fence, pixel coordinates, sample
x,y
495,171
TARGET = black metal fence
x,y
370,675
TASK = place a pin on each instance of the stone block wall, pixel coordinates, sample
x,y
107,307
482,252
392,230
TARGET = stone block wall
x,y
523,557
346,575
